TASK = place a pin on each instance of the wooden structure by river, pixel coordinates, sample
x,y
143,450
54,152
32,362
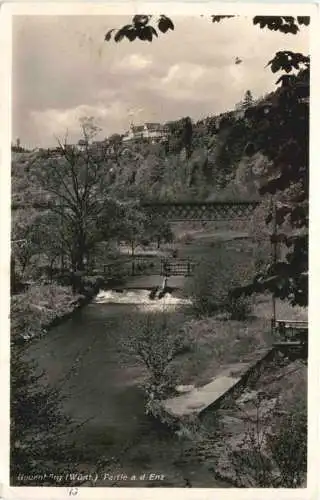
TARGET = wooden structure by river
x,y
141,267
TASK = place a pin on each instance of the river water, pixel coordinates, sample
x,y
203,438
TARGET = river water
x,y
101,389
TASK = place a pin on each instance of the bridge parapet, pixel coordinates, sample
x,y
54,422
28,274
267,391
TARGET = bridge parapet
x,y
204,211
180,211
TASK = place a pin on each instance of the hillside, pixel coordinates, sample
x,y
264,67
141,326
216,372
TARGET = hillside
x,y
202,160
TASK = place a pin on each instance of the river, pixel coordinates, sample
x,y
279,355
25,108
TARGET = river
x,y
101,389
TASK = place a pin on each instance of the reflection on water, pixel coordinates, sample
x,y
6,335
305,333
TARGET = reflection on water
x,y
140,298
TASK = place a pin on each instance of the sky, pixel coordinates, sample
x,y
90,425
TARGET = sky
x,y
62,70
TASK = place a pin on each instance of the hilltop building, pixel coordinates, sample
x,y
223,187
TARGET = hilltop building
x,y
150,131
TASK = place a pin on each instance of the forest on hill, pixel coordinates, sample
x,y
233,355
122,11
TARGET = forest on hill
x,y
200,161
95,191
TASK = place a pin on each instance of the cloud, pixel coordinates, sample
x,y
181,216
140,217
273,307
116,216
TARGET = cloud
x,y
62,68
58,122
133,62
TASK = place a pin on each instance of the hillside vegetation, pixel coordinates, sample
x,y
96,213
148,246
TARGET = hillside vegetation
x,y
204,160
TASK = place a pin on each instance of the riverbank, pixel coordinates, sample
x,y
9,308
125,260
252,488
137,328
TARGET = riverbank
x,y
42,307
101,390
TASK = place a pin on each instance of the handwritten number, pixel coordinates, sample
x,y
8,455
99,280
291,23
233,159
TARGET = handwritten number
x,y
73,492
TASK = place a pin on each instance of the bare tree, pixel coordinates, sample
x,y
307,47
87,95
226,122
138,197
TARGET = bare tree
x,y
80,202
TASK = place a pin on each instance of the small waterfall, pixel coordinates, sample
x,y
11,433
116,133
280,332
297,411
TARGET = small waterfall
x,y
140,298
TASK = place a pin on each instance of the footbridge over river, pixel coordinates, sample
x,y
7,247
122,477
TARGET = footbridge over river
x,y
162,267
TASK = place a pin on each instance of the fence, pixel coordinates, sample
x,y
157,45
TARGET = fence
x,y
290,330
181,267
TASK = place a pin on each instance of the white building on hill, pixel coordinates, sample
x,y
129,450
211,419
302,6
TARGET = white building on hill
x,y
152,131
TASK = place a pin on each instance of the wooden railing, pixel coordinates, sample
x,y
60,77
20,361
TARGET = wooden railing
x,y
177,267
133,266
140,267
290,330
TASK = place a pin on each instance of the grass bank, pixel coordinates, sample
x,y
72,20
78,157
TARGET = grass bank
x,y
40,307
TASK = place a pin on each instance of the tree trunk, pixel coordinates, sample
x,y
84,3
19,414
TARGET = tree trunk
x,y
51,269
80,253
132,255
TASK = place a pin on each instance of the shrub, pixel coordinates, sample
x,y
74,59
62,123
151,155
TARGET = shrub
x,y
155,341
36,418
273,456
93,282
238,308
38,425
37,308
288,446
215,277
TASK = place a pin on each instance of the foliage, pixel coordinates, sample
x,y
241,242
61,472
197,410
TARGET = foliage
x,y
283,137
81,209
133,226
140,27
238,308
141,170
38,425
36,422
288,445
260,235
187,136
213,281
248,99
159,230
154,342
273,456
23,239
37,307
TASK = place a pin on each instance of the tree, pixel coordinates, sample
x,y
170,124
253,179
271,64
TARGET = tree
x,y
159,229
155,341
115,145
187,136
55,239
247,100
281,132
24,239
214,277
133,228
79,195
36,419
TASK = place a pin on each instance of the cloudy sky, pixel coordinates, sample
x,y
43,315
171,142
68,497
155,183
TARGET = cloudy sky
x,y
63,69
